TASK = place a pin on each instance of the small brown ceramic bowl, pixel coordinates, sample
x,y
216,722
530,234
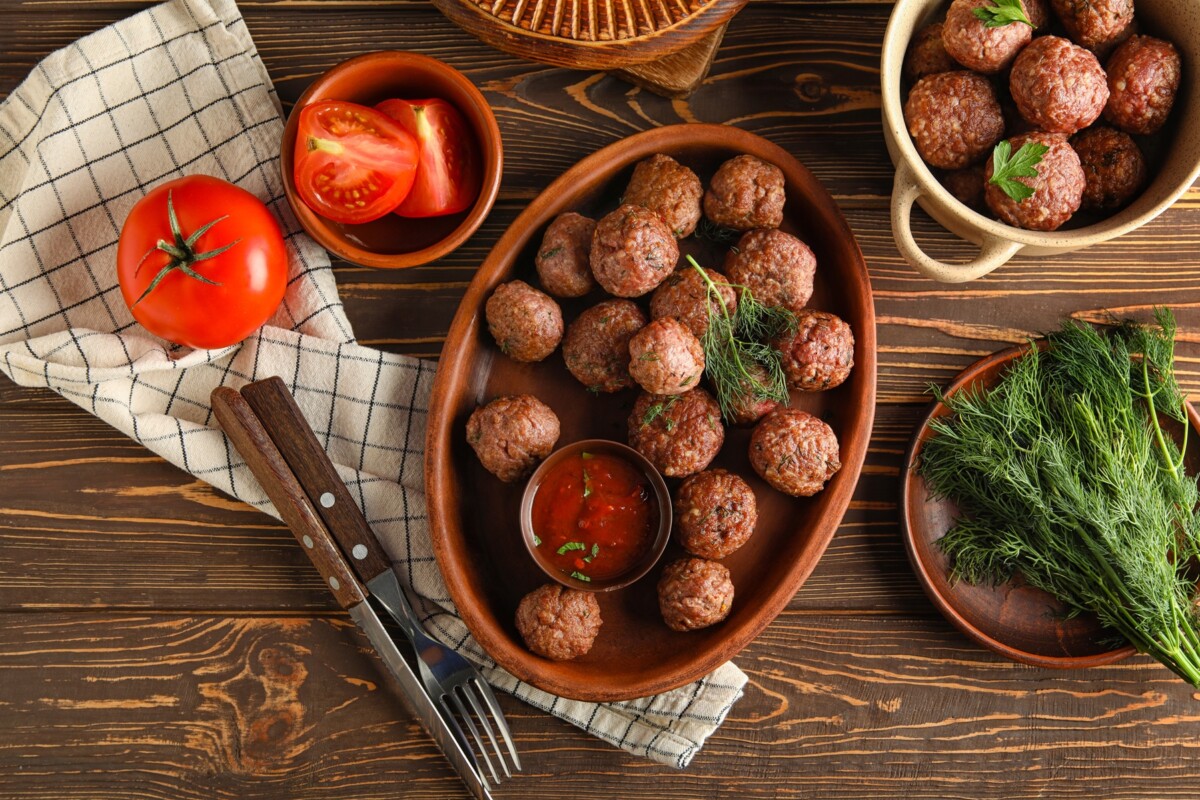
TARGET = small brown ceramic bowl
x,y
1176,20
661,495
394,242
1013,619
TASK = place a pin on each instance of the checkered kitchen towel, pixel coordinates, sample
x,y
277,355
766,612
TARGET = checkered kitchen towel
x,y
179,89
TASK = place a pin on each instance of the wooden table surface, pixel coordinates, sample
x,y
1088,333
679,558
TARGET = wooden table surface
x,y
160,640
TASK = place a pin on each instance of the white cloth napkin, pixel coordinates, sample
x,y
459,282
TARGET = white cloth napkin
x,y
179,89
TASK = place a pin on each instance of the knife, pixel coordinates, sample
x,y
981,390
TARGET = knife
x,y
280,483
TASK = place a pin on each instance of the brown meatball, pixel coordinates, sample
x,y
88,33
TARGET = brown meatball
x,y
927,55
1143,76
1113,166
665,357
1058,86
966,185
715,513
795,452
633,251
746,408
557,622
954,118
596,347
974,45
679,434
1058,187
694,593
686,296
669,189
562,260
746,192
526,323
1095,24
512,434
1038,12
820,354
775,266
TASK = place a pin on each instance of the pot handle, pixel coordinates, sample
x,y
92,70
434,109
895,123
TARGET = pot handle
x,y
994,251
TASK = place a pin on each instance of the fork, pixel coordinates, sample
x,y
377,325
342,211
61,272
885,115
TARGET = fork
x,y
450,679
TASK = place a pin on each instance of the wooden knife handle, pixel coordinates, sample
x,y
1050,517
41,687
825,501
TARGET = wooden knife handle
x,y
273,472
277,411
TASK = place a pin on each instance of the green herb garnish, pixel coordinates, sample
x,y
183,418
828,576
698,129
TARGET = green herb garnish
x,y
537,540
586,456
595,552
738,357
1063,473
551,253
656,410
710,231
587,484
569,546
1007,167
1001,13
579,576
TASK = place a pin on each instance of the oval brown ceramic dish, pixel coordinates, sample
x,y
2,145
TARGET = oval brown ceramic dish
x,y
395,242
1013,619
662,498
475,518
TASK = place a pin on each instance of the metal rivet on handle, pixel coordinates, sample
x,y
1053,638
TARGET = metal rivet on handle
x,y
334,583
307,541
327,500
359,551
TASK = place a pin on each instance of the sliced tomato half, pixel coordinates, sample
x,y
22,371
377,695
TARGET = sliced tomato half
x,y
353,164
448,179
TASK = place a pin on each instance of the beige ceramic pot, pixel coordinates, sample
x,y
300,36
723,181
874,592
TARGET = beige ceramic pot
x,y
1178,20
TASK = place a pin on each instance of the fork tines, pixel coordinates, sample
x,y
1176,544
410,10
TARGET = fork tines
x,y
472,690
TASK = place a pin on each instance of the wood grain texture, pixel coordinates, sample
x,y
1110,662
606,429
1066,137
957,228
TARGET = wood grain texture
x,y
158,640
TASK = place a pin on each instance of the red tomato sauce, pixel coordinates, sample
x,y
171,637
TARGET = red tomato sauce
x,y
595,516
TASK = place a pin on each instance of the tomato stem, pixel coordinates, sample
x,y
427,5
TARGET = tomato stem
x,y
182,251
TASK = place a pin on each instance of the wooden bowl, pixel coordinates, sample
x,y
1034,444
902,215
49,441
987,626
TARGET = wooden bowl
x,y
586,34
475,518
1176,20
1013,619
662,497
395,242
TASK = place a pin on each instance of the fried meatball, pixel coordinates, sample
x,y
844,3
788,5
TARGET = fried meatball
x,y
685,296
1143,77
526,323
795,452
1113,166
1058,187
633,251
669,189
775,266
512,434
715,513
1095,24
596,347
954,118
562,260
557,622
746,192
747,408
966,185
1058,86
927,55
694,593
974,45
680,434
1038,12
665,357
820,354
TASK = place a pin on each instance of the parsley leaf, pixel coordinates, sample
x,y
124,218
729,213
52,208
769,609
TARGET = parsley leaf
x,y
569,546
1001,13
1008,166
579,576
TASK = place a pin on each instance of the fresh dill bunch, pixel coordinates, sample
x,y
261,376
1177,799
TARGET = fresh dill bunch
x,y
1063,472
710,231
738,357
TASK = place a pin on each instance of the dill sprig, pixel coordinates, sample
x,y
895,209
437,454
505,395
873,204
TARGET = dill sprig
x,y
738,358
1063,473
710,231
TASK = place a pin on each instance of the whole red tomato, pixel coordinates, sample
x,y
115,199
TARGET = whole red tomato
x,y
448,176
201,262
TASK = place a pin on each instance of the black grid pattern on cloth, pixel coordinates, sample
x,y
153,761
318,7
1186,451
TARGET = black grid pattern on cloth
x,y
178,89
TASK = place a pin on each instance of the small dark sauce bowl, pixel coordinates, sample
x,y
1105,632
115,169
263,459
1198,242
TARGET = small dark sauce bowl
x,y
661,494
